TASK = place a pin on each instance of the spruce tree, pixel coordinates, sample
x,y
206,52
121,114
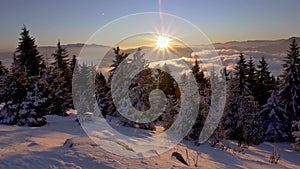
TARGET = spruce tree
x,y
226,74
73,66
241,120
139,87
60,58
101,89
27,56
119,57
110,109
75,73
240,75
265,83
23,98
229,120
202,81
249,125
251,77
289,93
273,116
3,76
237,90
59,83
85,87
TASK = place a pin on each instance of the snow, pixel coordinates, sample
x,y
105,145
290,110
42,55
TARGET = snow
x,y
62,143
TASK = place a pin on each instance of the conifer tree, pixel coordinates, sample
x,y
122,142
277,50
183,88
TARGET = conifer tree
x,y
265,83
226,74
241,120
240,75
229,120
27,56
251,77
202,81
60,58
110,109
289,93
22,96
85,85
102,89
249,125
59,83
3,76
272,115
73,66
119,57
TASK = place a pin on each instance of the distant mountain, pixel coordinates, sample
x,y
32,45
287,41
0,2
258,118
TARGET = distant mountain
x,y
268,46
273,51
75,45
73,49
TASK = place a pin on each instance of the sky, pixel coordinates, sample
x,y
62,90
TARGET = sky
x,y
74,21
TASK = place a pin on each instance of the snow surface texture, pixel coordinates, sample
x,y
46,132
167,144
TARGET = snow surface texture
x,y
62,143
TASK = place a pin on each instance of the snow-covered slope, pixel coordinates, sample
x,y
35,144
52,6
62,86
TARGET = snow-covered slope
x,y
62,143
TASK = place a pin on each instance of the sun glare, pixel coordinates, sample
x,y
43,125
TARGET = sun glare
x,y
162,42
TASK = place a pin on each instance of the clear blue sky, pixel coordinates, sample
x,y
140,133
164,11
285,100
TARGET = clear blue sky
x,y
74,21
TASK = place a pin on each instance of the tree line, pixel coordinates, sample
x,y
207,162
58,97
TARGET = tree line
x,y
30,90
259,107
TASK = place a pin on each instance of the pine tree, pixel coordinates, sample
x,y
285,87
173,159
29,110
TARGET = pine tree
x,y
241,120
110,109
3,76
59,83
102,89
273,116
237,89
265,83
119,57
226,74
75,72
289,89
73,66
139,87
240,76
85,86
171,110
23,100
205,99
202,81
167,83
60,58
27,56
22,96
251,77
249,125
229,120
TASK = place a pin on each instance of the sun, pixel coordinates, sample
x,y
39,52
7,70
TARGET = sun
x,y
162,42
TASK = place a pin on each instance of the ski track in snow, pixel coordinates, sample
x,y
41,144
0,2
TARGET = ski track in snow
x,y
46,147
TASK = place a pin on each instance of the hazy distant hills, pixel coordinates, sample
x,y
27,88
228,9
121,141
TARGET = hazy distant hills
x,y
268,46
73,49
273,50
47,51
